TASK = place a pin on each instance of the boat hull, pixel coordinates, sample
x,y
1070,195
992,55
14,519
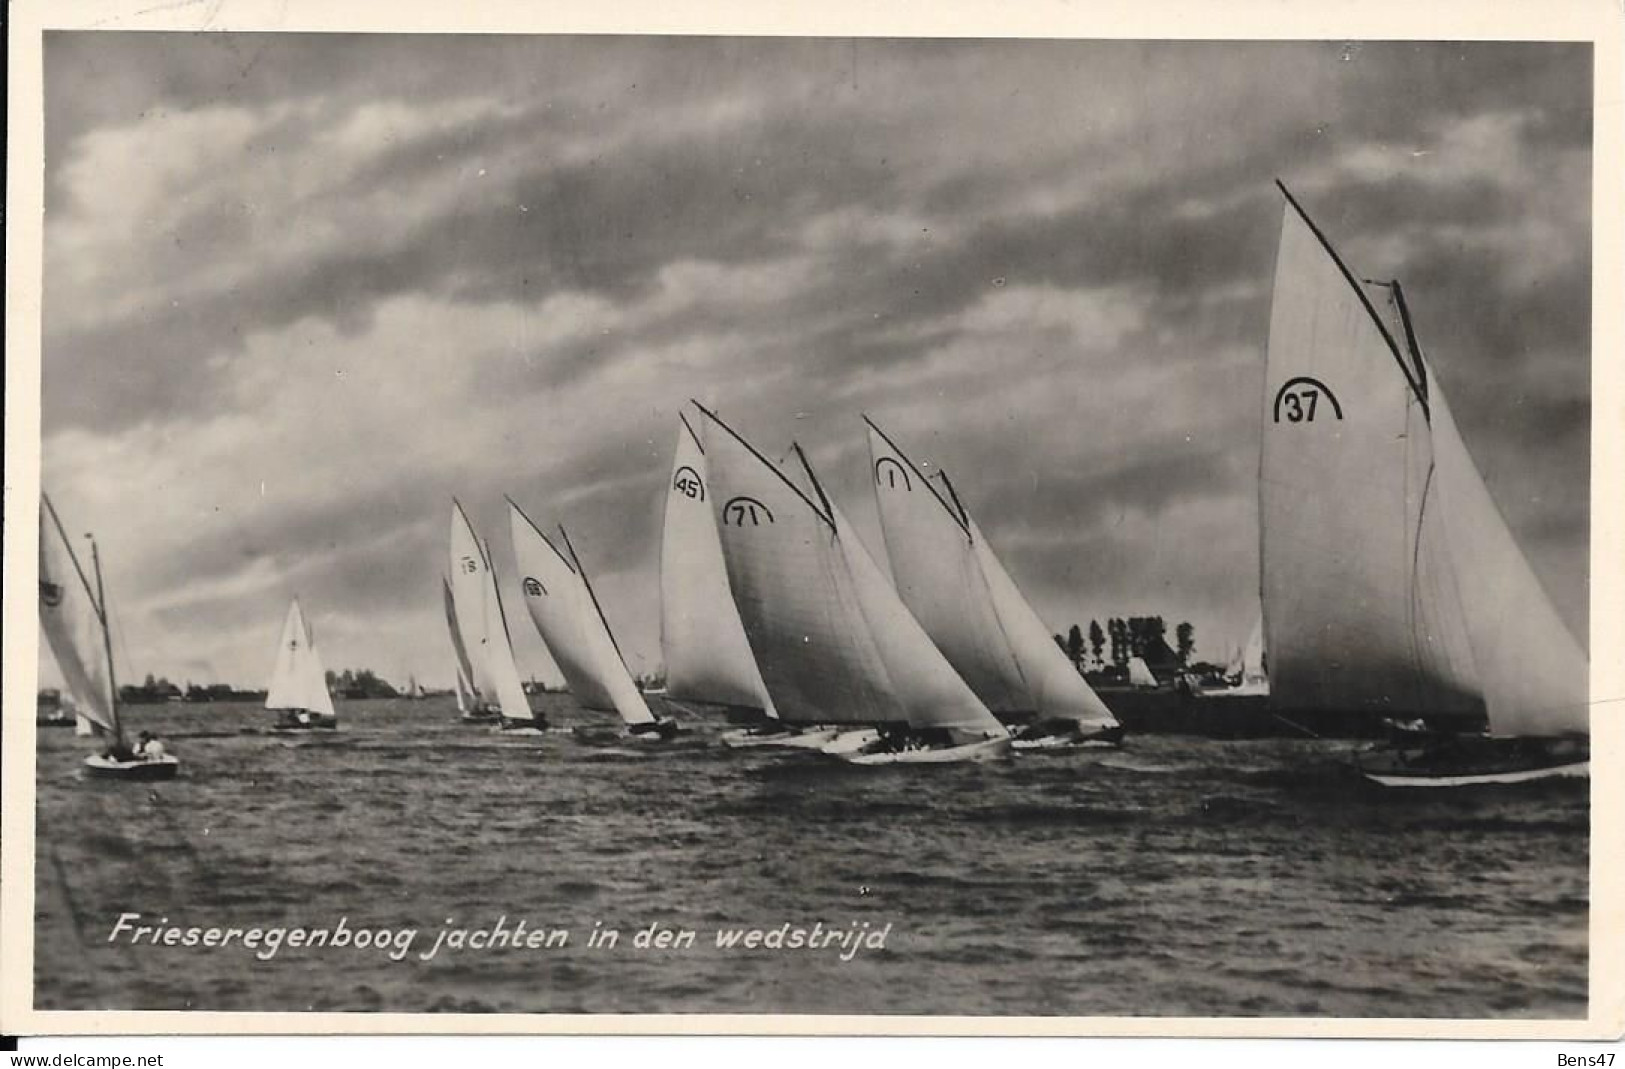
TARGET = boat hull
x,y
985,750
1477,762
1576,770
657,730
1224,715
810,739
313,723
846,742
100,766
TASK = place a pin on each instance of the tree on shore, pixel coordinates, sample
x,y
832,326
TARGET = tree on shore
x,y
1074,646
1185,635
1097,642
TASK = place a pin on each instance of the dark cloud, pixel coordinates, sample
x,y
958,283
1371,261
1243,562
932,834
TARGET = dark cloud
x,y
592,229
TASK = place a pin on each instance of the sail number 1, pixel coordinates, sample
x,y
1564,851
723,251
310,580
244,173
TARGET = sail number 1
x,y
1299,401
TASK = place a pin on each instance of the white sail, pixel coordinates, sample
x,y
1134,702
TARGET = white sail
x,y
565,611
708,659
1532,671
298,680
1058,691
500,666
1432,606
464,670
1251,667
794,592
1139,673
939,575
73,624
931,692
470,586
1360,607
465,700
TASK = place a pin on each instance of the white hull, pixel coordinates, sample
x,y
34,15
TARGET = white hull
x,y
846,742
1063,742
1577,770
811,739
986,750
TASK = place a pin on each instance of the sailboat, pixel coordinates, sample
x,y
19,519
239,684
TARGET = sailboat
x,y
298,691
958,590
414,689
1246,673
1140,675
834,643
708,659
470,705
73,617
570,620
1392,587
478,603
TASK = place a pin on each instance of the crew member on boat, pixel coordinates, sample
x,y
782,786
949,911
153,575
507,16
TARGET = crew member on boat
x,y
150,747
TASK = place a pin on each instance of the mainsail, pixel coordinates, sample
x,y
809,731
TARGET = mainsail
x,y
75,625
566,613
954,584
298,680
466,699
1391,584
938,572
1246,670
832,640
500,664
480,622
1139,673
708,659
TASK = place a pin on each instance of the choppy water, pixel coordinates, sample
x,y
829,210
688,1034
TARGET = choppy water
x,y
1175,877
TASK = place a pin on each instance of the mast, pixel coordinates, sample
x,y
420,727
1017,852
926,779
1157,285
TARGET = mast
x,y
1411,376
107,643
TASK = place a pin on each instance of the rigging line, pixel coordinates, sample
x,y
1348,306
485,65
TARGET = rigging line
x,y
1295,724
1382,328
581,570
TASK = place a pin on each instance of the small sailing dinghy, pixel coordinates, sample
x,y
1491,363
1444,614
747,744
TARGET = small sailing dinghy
x,y
51,711
1140,675
961,594
570,620
478,602
1392,586
834,643
1247,674
298,692
471,707
73,617
708,659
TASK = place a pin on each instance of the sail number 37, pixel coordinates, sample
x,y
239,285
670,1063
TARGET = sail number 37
x,y
1299,400
1300,405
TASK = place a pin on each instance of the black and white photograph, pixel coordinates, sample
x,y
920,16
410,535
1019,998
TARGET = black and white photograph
x,y
949,526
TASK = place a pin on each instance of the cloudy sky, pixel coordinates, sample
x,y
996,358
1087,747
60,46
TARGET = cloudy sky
x,y
302,290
